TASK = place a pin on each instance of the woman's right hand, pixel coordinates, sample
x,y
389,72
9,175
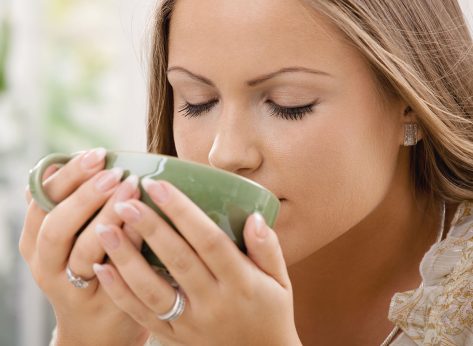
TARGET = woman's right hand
x,y
85,316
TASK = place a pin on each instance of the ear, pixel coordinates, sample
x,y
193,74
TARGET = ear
x,y
409,116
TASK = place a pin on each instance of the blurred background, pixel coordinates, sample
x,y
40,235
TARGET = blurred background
x,y
73,76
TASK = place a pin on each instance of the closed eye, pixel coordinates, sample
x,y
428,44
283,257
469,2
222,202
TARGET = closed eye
x,y
288,113
194,110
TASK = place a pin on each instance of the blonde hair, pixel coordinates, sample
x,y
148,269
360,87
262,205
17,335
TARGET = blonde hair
x,y
420,51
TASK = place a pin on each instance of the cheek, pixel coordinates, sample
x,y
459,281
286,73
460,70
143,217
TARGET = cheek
x,y
338,172
192,138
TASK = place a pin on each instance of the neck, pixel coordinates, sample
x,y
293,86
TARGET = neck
x,y
352,279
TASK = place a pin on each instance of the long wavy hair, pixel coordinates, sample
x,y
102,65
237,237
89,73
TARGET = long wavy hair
x,y
420,51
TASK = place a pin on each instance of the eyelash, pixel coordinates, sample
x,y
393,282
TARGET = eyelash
x,y
288,113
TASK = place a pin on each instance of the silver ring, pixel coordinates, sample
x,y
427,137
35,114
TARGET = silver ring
x,y
75,280
176,310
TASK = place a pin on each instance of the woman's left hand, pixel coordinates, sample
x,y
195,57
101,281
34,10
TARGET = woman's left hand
x,y
231,299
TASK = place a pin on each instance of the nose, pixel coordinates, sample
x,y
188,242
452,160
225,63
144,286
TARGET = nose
x,y
235,146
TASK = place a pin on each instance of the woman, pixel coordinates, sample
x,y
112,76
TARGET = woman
x,y
356,114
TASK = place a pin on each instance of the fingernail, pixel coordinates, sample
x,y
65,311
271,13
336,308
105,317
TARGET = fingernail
x,y
157,190
128,211
259,226
109,179
127,188
104,275
92,158
108,235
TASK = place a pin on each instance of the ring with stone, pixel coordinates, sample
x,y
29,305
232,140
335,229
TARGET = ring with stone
x,y
76,280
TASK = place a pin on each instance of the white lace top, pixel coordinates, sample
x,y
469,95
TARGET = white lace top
x,y
441,312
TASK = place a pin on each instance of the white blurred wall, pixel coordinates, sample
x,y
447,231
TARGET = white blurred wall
x,y
122,118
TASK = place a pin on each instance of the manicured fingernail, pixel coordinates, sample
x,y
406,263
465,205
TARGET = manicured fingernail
x,y
260,228
128,211
127,188
108,236
109,179
157,190
104,275
92,158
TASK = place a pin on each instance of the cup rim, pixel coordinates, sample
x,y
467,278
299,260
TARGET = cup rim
x,y
198,164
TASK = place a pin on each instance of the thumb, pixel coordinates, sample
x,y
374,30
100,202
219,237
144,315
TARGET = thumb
x,y
264,250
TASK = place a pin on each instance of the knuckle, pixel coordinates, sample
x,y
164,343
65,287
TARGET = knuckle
x,y
46,234
149,295
179,208
122,258
85,199
82,197
213,241
247,289
24,249
214,314
79,257
40,280
181,263
39,276
248,292
147,231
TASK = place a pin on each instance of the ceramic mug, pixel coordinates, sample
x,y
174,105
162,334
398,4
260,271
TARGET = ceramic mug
x,y
227,198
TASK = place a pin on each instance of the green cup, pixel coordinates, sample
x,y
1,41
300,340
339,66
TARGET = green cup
x,y
228,199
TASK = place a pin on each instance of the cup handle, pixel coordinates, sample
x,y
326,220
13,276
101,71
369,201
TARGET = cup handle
x,y
36,178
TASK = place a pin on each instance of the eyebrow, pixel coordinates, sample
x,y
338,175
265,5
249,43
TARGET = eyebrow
x,y
255,81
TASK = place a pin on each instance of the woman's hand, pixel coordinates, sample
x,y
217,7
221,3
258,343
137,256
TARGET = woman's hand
x,y
231,299
49,243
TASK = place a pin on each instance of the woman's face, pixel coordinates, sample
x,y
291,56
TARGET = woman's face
x,y
282,100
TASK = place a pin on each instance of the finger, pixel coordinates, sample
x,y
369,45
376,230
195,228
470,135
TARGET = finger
x,y
27,245
33,220
179,258
74,173
59,228
133,235
151,289
50,171
263,248
211,243
58,186
87,250
121,295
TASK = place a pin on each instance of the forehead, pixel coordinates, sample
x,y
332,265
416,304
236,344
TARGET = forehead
x,y
258,33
